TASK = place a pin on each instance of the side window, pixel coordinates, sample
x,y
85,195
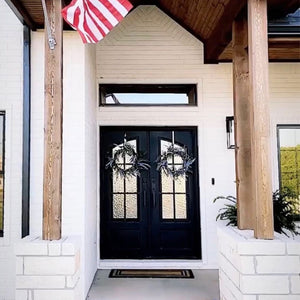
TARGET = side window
x,y
289,159
2,140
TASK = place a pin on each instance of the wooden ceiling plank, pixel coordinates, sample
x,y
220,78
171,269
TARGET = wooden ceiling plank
x,y
221,35
21,13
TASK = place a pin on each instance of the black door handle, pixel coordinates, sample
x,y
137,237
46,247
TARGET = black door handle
x,y
144,193
153,193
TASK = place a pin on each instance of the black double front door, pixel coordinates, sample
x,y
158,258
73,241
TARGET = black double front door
x,y
152,215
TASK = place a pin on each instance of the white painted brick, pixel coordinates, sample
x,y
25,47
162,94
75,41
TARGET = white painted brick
x,y
40,282
263,284
54,295
277,264
253,247
295,284
68,248
31,248
54,248
19,265
73,280
246,265
228,289
21,295
229,270
30,295
279,297
293,248
49,265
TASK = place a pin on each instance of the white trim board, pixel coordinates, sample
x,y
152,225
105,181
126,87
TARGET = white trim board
x,y
153,264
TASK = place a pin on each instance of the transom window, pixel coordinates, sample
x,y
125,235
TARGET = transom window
x,y
2,139
147,94
289,159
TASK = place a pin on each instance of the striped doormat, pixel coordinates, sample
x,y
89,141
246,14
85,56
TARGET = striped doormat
x,y
125,273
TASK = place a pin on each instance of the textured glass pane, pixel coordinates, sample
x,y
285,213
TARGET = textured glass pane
x,y
177,158
166,183
131,184
118,183
131,206
118,206
120,159
128,157
167,207
1,201
180,184
180,206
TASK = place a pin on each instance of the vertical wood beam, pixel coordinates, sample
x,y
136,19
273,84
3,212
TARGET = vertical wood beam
x,y
53,126
243,124
259,95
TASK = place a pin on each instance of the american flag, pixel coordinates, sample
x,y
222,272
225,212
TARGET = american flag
x,y
93,19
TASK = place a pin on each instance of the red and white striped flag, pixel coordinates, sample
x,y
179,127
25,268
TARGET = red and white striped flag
x,y
93,19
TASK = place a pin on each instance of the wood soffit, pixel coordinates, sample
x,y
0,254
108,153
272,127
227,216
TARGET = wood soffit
x,y
208,20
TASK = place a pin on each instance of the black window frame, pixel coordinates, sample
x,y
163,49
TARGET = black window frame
x,y
2,170
186,88
278,127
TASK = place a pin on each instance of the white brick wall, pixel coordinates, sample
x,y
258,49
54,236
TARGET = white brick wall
x,y
272,276
46,271
11,100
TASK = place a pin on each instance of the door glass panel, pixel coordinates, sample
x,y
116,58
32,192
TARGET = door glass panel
x,y
118,183
167,207
131,206
124,188
170,187
118,206
166,183
131,184
180,206
180,184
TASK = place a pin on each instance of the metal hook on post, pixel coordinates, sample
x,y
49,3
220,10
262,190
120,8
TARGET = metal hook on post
x,y
51,39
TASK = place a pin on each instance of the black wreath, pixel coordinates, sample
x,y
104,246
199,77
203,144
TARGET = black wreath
x,y
136,162
187,161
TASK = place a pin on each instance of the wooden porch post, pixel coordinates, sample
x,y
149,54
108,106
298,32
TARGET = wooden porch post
x,y
53,126
243,124
259,98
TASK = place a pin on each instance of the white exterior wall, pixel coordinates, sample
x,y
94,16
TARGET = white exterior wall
x,y
149,47
11,100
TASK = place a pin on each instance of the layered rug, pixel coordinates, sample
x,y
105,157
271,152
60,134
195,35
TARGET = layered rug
x,y
125,273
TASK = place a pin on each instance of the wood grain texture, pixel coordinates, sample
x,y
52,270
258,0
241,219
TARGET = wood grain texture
x,y
259,97
52,189
243,124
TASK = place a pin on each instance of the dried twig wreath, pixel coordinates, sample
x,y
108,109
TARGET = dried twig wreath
x,y
169,168
135,161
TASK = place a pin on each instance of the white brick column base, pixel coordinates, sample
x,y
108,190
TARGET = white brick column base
x,y
252,269
47,270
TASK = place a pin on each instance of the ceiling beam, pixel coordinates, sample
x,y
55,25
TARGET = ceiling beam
x,y
221,35
21,13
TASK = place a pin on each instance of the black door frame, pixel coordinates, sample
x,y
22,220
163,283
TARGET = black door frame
x,y
196,191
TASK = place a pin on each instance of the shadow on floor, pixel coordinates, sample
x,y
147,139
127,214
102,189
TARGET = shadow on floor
x,y
205,286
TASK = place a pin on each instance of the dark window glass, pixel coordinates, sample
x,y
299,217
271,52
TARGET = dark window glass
x,y
289,160
2,139
148,94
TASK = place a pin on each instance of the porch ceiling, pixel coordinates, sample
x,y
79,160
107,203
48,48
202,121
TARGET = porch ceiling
x,y
208,20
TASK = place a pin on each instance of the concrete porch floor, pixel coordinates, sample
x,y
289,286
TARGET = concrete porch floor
x,y
205,286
